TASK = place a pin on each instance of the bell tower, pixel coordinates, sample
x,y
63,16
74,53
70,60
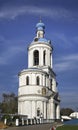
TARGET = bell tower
x,y
37,93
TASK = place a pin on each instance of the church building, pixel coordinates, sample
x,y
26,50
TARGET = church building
x,y
37,93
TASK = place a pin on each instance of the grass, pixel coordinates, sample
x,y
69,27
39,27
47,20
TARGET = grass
x,y
68,127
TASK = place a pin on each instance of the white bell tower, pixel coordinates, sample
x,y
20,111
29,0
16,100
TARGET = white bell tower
x,y
37,92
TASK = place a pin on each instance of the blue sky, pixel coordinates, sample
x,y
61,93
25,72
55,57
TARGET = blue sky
x,y
18,19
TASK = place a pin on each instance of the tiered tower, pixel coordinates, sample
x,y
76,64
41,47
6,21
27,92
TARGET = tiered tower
x,y
37,93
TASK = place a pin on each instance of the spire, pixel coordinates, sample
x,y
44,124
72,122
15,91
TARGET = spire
x,y
40,19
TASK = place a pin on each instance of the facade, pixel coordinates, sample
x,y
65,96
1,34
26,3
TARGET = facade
x,y
37,93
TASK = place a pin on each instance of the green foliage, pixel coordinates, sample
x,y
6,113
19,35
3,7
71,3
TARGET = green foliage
x,y
9,104
8,117
66,111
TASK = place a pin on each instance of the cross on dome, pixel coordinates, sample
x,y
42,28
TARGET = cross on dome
x,y
40,19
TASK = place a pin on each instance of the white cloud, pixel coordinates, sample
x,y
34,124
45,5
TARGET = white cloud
x,y
9,54
62,40
73,57
54,13
65,63
10,48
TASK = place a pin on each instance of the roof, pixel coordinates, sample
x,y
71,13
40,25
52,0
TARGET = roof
x,y
40,24
42,40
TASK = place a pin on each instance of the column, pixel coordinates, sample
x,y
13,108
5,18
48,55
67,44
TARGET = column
x,y
51,61
45,110
43,80
48,110
41,57
21,107
54,85
47,78
58,111
24,108
42,107
34,109
47,81
47,58
30,102
33,79
30,58
28,108
52,110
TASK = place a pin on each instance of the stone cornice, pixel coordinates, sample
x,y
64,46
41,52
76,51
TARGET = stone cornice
x,y
33,95
32,70
35,44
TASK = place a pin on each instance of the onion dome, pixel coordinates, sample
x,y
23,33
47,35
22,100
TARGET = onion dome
x,y
40,26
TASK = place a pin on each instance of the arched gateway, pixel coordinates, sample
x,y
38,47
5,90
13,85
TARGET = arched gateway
x,y
37,93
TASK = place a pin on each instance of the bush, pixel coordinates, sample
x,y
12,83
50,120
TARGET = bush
x,y
8,117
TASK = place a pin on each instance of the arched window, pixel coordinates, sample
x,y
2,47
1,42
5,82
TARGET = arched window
x,y
27,80
36,57
44,57
37,80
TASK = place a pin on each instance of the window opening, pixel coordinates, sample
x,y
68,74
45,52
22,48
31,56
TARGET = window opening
x,y
38,112
36,57
37,80
27,80
44,56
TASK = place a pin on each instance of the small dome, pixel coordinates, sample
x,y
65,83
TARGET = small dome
x,y
40,26
42,40
40,29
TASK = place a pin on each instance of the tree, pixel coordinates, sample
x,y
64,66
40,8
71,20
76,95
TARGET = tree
x,y
9,103
66,111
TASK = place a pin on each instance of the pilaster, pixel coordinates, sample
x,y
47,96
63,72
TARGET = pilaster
x,y
52,110
45,110
34,104
58,111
